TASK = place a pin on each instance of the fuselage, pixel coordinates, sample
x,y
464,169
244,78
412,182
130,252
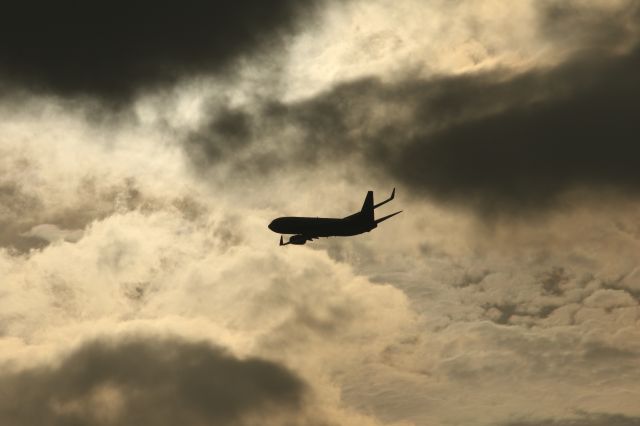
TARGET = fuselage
x,y
305,229
322,226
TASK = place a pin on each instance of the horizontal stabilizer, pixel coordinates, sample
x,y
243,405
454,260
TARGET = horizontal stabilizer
x,y
393,193
387,217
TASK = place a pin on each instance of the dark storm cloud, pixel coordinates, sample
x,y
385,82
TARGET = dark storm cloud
x,y
493,141
498,141
526,154
148,381
113,50
584,420
516,143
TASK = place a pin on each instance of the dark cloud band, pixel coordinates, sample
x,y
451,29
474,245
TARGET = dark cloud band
x,y
581,134
113,50
148,381
497,142
500,141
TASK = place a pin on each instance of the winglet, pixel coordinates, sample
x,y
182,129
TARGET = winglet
x,y
387,217
393,194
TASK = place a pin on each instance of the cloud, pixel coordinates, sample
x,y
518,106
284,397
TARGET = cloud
x,y
150,380
499,142
229,131
31,217
435,318
46,197
525,154
158,253
502,141
52,233
597,419
587,25
117,50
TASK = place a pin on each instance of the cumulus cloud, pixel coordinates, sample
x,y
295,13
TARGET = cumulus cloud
x,y
158,252
137,272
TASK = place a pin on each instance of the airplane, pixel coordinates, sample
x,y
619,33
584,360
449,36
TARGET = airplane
x,y
310,228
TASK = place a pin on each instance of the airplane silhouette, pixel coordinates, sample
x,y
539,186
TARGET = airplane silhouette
x,y
309,228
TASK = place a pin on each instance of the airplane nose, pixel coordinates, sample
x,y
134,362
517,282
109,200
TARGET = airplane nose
x,y
271,225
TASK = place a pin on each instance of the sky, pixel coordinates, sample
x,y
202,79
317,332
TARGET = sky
x,y
145,147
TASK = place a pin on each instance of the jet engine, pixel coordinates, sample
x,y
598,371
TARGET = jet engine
x,y
297,239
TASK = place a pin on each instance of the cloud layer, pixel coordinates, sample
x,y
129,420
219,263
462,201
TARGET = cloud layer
x,y
137,271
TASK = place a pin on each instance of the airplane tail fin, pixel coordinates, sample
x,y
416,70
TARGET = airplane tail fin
x,y
281,242
387,217
367,207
